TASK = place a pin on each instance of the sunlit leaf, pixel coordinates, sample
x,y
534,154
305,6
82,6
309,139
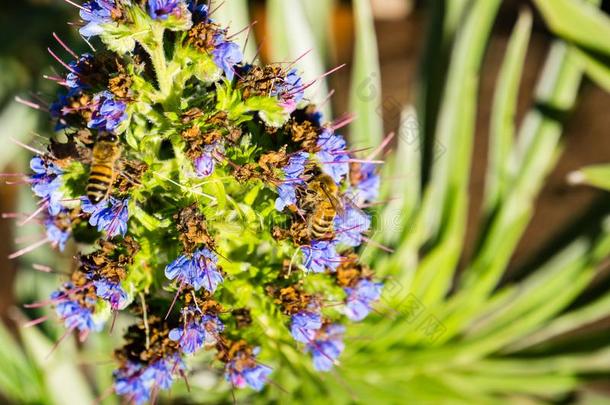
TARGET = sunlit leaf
x,y
291,38
579,22
597,176
365,94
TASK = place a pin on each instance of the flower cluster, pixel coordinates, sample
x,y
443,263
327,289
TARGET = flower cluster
x,y
178,156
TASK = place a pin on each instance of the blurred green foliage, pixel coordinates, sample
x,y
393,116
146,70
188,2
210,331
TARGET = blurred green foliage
x,y
439,336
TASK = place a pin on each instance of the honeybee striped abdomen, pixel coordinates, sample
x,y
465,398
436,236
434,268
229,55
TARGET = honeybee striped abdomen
x,y
322,200
106,152
322,222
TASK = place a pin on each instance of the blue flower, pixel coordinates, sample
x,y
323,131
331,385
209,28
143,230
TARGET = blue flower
x,y
327,347
198,11
137,382
111,292
56,236
292,178
46,182
319,256
333,155
365,187
108,113
110,215
226,55
290,91
205,164
244,371
63,111
316,118
96,13
161,9
256,377
74,315
304,326
198,271
127,382
161,373
296,165
197,332
350,225
287,195
74,78
360,298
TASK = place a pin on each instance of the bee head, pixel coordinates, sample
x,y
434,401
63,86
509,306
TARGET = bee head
x,y
108,137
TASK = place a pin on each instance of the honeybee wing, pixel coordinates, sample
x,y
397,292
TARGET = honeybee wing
x,y
333,199
347,200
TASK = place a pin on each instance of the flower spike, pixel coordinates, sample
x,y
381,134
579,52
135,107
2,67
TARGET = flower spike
x,y
204,196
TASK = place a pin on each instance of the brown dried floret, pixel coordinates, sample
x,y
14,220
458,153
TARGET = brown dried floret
x,y
131,172
80,290
280,233
260,81
192,227
212,136
246,172
191,133
234,134
118,14
305,134
205,303
110,262
240,352
202,36
290,299
79,107
147,341
350,272
355,173
272,161
131,246
120,85
242,317
300,234
218,119
101,70
197,140
191,115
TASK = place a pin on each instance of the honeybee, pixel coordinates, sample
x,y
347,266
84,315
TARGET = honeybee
x,y
106,151
321,198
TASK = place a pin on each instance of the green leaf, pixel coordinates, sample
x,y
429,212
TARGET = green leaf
x,y
365,93
319,14
291,39
531,160
20,379
58,368
445,17
18,122
596,175
579,22
502,131
597,69
402,180
593,312
445,207
269,109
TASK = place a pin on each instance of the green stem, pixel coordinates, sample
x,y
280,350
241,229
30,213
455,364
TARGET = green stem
x,y
157,55
156,51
